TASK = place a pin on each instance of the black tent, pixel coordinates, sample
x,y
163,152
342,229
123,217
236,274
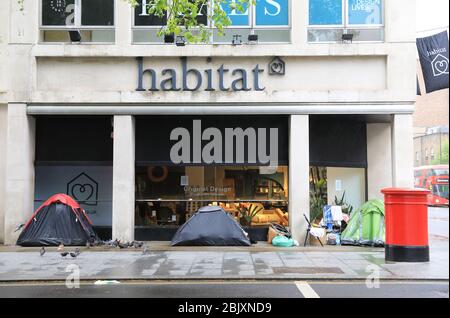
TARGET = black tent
x,y
210,226
60,220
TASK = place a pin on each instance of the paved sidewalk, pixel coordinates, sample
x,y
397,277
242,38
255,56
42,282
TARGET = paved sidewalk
x,y
259,262
226,263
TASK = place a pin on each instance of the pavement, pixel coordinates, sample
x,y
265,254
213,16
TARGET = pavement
x,y
260,262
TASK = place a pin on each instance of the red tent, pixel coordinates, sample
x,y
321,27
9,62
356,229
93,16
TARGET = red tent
x,y
59,220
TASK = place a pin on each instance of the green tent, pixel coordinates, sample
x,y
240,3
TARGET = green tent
x,y
366,226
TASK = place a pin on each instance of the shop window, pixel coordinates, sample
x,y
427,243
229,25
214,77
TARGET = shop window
x,y
169,195
168,192
77,21
336,186
330,19
269,20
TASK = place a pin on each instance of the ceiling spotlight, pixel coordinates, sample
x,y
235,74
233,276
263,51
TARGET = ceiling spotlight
x,y
237,39
347,38
180,41
75,36
169,38
253,38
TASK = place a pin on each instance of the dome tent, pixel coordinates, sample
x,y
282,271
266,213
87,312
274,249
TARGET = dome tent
x,y
210,226
366,226
60,220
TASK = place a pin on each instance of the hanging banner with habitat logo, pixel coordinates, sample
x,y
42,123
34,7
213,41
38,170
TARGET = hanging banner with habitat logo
x,y
433,55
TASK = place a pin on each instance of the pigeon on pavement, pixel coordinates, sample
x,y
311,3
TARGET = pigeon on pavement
x,y
64,254
137,244
76,253
42,251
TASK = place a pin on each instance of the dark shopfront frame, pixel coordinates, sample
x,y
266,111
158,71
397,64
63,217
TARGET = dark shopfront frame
x,y
324,130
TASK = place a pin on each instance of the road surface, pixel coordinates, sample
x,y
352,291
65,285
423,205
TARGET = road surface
x,y
227,289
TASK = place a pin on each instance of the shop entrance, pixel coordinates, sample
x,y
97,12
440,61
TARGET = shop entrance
x,y
338,164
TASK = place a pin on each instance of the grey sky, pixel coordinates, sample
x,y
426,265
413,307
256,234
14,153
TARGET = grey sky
x,y
431,14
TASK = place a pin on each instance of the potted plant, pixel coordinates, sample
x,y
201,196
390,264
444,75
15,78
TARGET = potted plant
x,y
317,199
247,212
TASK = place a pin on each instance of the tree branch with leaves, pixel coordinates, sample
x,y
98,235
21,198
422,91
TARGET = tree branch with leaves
x,y
183,16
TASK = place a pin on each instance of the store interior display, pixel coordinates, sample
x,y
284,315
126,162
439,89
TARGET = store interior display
x,y
168,196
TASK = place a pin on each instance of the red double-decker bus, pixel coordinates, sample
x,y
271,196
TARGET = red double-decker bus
x,y
435,179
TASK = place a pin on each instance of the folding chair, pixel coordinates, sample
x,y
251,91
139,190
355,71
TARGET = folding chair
x,y
308,230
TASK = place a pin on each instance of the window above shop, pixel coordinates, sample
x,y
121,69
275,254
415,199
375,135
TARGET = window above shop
x,y
77,21
362,20
268,19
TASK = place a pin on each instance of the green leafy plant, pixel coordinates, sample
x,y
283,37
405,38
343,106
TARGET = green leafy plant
x,y
346,207
21,4
182,16
248,212
317,199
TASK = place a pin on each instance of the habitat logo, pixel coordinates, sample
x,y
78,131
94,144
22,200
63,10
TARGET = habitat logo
x,y
84,189
234,145
440,65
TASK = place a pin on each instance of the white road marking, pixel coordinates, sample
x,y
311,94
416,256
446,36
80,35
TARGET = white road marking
x,y
306,290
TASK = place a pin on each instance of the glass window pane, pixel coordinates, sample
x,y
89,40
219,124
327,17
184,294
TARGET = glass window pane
x,y
365,12
97,12
368,34
325,12
237,17
103,36
324,35
143,17
169,195
272,12
147,36
90,185
227,37
58,12
202,17
273,36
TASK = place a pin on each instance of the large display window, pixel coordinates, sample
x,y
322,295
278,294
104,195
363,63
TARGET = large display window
x,y
330,19
74,156
169,195
77,21
225,163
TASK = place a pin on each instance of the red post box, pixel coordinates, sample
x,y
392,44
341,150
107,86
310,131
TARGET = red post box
x,y
406,217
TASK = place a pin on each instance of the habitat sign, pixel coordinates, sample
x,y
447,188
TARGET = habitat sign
x,y
187,78
433,55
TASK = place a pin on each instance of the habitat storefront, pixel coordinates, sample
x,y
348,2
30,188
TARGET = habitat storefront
x,y
193,137
300,104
